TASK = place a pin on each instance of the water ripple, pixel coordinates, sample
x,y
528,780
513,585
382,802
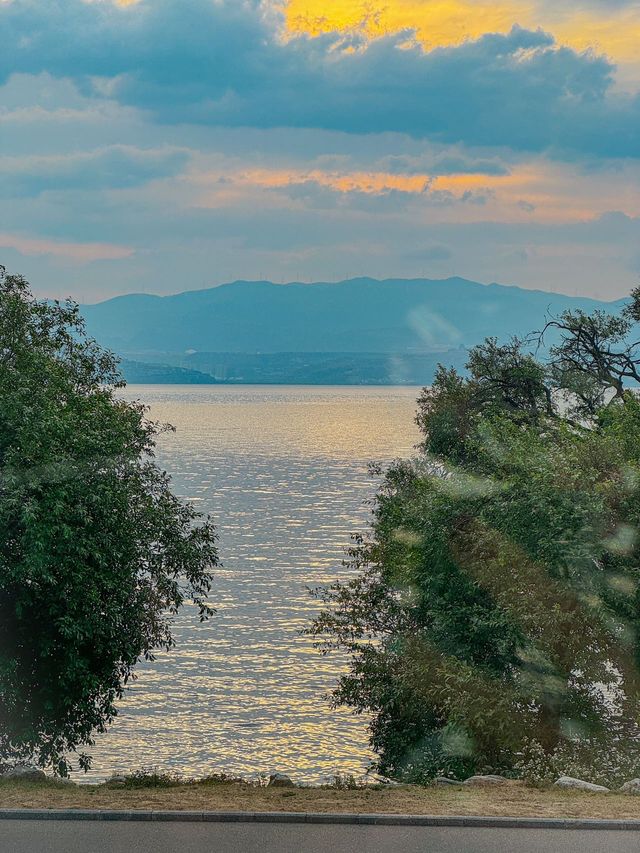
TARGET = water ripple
x,y
284,472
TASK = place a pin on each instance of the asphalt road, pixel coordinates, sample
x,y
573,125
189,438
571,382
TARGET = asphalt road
x,y
34,836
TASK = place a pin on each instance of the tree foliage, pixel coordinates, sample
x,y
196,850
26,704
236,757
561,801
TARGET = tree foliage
x,y
494,612
598,354
96,553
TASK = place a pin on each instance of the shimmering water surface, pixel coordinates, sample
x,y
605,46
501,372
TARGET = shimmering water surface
x,y
284,472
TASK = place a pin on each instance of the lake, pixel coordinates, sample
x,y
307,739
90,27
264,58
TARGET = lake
x,y
284,472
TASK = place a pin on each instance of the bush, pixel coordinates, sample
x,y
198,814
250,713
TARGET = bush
x,y
148,777
610,764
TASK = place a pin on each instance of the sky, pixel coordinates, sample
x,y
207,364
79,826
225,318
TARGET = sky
x,y
167,145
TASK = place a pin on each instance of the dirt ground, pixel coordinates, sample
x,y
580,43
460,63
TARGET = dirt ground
x,y
513,799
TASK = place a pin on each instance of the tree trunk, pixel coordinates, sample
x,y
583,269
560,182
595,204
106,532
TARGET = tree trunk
x,y
549,724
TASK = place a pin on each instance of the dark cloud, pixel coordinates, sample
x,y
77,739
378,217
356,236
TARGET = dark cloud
x,y
311,194
226,64
443,164
116,167
315,194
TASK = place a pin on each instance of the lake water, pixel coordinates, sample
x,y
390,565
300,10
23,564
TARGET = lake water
x,y
284,472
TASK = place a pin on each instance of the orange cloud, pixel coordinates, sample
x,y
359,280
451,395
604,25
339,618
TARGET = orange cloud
x,y
378,182
346,182
536,190
79,252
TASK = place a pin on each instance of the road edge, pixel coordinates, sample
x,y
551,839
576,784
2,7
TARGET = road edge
x,y
476,821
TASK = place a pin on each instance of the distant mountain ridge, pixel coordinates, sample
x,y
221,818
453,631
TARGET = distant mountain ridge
x,y
393,316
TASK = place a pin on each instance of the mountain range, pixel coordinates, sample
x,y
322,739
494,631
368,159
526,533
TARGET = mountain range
x,y
359,330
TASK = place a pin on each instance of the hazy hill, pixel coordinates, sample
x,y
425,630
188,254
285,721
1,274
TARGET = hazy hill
x,y
397,316
162,374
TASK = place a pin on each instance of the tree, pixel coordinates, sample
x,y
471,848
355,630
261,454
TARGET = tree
x,y
96,553
493,619
597,354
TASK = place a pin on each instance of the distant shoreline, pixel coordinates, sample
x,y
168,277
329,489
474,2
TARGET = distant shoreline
x,y
290,368
239,384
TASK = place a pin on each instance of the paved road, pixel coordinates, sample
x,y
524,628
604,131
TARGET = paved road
x,y
23,836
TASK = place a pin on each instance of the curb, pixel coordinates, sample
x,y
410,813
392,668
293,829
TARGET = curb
x,y
319,818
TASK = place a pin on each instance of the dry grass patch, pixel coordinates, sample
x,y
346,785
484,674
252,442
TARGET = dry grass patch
x,y
514,799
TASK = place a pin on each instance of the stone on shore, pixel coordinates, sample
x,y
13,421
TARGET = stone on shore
x,y
580,785
280,780
444,780
485,780
24,772
631,787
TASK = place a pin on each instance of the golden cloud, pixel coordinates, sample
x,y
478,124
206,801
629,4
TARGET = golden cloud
x,y
615,32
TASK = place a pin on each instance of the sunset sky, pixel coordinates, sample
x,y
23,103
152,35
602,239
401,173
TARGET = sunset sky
x,y
166,145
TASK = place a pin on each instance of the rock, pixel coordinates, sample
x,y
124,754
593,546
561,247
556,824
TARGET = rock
x,y
383,780
117,779
580,785
485,780
444,780
24,772
631,787
280,780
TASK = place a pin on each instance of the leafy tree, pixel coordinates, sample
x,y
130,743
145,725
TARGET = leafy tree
x,y
96,553
494,612
598,353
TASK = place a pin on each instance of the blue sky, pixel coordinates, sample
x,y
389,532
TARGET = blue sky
x,y
166,145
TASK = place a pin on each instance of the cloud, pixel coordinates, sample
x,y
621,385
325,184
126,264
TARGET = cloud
x,y
370,191
77,252
444,164
599,5
430,253
228,63
115,167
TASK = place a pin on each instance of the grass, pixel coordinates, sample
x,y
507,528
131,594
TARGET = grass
x,y
219,793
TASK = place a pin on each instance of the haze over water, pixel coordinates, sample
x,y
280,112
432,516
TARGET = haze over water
x,y
284,472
